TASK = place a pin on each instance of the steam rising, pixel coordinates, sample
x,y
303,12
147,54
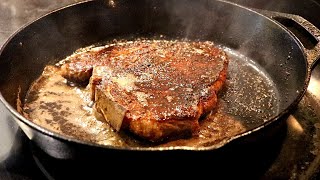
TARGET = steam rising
x,y
244,31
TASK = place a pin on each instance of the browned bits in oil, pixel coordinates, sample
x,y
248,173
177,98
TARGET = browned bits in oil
x,y
250,94
249,98
50,105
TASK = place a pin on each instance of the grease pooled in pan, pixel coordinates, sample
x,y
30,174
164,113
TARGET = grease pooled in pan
x,y
248,99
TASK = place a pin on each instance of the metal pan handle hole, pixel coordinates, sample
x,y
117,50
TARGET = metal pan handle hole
x,y
307,39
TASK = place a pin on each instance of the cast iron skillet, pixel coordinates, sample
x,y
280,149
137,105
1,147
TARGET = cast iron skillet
x,y
255,35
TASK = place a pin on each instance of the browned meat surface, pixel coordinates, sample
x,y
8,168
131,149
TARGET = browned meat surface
x,y
156,89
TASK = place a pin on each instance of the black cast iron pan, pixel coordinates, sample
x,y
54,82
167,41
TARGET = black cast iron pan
x,y
258,36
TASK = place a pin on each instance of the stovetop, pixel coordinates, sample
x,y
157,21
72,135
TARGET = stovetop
x,y
299,154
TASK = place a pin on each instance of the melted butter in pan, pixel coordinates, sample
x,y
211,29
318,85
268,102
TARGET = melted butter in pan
x,y
67,110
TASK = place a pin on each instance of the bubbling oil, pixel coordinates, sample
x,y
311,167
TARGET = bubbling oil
x,y
249,99
251,96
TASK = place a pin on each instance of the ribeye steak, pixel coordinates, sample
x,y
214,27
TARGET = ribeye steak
x,y
157,89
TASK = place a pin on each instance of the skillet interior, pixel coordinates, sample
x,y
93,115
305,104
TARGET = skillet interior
x,y
248,99
57,35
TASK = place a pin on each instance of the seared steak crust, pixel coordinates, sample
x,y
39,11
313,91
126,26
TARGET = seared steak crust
x,y
157,89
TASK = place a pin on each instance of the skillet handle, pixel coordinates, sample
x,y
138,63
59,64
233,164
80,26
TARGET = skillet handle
x,y
312,54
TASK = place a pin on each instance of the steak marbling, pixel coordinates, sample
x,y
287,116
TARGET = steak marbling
x,y
157,89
